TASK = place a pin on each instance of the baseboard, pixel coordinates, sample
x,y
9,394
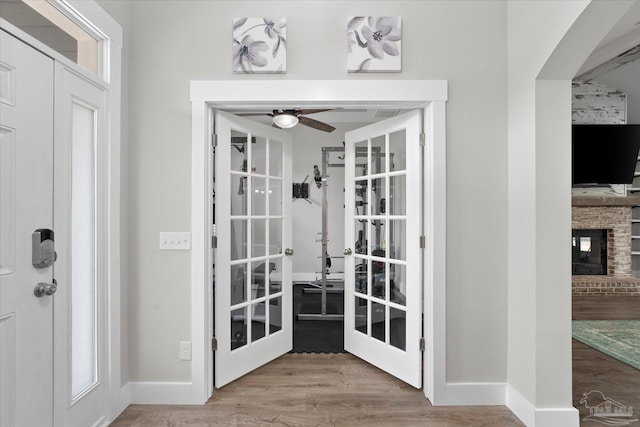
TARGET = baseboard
x,y
540,417
160,393
123,400
475,394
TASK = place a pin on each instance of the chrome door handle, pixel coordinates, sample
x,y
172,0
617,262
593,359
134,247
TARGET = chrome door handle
x,y
43,289
288,252
347,251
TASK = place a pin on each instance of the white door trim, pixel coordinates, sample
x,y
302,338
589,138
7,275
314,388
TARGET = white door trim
x,y
89,13
429,95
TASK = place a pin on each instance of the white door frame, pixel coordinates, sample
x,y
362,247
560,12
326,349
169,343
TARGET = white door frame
x,y
428,95
88,14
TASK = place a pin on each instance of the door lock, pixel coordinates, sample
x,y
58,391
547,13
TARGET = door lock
x,y
43,289
43,253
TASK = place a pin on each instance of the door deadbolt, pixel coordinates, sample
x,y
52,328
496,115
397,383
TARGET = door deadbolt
x,y
43,252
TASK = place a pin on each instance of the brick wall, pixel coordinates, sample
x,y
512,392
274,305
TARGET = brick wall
x,y
617,221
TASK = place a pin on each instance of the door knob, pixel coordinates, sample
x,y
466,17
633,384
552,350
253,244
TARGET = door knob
x,y
43,289
288,252
347,251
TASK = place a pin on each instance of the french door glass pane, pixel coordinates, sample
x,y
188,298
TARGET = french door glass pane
x,y
259,274
275,314
378,321
398,283
238,327
258,321
377,155
238,239
378,279
397,147
275,278
361,236
275,197
275,236
397,239
259,156
397,203
361,275
258,237
258,196
378,196
361,315
238,283
239,151
238,194
83,252
397,328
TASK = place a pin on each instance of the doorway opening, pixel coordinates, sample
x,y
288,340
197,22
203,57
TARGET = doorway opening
x,y
209,98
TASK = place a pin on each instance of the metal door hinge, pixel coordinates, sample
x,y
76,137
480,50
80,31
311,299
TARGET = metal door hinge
x,y
423,242
214,344
214,140
423,138
422,344
214,242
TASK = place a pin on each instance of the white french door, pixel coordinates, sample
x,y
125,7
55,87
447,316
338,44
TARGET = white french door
x,y
26,205
383,287
253,289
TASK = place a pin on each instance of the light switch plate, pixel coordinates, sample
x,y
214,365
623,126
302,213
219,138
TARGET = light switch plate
x,y
180,241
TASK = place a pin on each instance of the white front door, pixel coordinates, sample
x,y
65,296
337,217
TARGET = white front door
x,y
253,289
383,287
26,204
81,393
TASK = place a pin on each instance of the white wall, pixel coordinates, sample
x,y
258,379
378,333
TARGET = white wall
x,y
173,42
542,61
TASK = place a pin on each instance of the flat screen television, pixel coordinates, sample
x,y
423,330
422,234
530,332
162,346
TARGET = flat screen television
x,y
604,154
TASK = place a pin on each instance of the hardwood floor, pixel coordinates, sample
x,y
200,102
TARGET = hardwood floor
x,y
340,389
593,370
317,390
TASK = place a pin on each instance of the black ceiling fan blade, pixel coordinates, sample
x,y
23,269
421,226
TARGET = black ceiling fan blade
x,y
316,124
252,114
312,111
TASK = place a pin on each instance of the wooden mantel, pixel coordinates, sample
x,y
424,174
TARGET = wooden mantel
x,y
605,201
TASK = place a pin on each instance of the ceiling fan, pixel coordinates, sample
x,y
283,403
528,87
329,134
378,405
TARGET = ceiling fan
x,y
284,119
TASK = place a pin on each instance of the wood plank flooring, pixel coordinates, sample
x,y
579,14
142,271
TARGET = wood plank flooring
x,y
317,390
342,390
593,370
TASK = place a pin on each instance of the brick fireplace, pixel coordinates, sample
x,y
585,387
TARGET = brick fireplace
x,y
611,213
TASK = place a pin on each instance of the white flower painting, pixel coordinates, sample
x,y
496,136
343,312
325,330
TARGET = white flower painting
x,y
374,44
259,45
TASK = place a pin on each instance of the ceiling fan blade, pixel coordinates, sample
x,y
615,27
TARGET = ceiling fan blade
x,y
314,111
252,114
275,126
316,124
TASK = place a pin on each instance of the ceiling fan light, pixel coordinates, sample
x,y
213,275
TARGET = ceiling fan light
x,y
285,120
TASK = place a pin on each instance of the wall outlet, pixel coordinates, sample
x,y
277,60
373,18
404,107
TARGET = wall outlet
x,y
175,241
185,350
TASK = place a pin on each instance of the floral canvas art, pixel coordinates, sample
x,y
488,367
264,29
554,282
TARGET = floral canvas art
x,y
374,44
259,45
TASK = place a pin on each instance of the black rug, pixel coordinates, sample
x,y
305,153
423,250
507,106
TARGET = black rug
x,y
317,336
